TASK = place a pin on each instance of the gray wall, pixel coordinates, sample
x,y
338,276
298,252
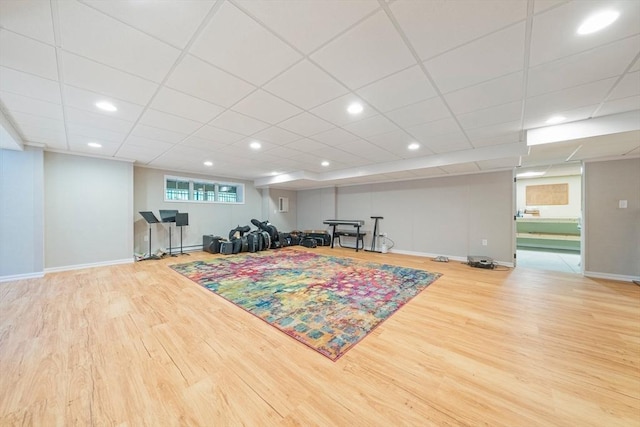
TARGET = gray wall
x,y
612,234
284,221
88,211
440,216
315,206
21,212
204,218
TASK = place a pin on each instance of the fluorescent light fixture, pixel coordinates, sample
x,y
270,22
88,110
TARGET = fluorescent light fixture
x,y
94,144
598,21
106,106
355,108
208,163
554,120
529,174
325,163
413,146
255,145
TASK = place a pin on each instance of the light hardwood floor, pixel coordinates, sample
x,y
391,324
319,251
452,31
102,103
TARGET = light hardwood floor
x,y
138,344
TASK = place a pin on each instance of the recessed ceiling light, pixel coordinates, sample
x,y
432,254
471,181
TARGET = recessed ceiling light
x,y
355,108
274,173
255,145
208,163
529,174
413,146
94,144
325,163
598,21
106,106
555,120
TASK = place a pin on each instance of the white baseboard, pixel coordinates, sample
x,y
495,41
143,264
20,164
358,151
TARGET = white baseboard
x,y
13,277
619,277
451,258
90,265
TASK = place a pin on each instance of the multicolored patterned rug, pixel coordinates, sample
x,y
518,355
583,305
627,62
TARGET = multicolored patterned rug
x,y
325,302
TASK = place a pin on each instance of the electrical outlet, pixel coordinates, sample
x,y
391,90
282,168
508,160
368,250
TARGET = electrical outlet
x,y
484,242
146,238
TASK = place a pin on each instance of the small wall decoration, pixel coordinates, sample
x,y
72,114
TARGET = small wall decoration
x,y
549,194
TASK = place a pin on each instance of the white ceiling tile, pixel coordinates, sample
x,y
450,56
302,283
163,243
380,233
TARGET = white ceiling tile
x,y
29,85
139,154
239,123
86,100
422,112
491,116
218,87
506,163
266,107
425,131
305,145
335,137
628,86
30,120
436,26
554,34
397,142
236,43
337,155
156,133
597,64
23,104
403,88
531,121
488,94
619,105
636,66
89,75
309,24
542,5
305,124
100,121
30,56
95,133
374,125
53,139
492,56
214,134
483,135
428,172
553,103
170,122
31,18
94,35
194,141
276,135
335,111
183,105
455,141
371,50
79,143
173,22
305,85
507,138
368,151
158,146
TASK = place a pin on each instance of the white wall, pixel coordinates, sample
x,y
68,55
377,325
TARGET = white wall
x,y
612,234
445,216
284,221
204,218
572,210
315,206
21,213
88,211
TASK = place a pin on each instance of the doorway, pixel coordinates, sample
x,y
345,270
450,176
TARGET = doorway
x,y
549,218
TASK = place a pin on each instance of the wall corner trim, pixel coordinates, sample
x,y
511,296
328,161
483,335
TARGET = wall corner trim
x,y
610,276
37,275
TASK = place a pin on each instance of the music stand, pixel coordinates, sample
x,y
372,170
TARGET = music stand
x,y
182,219
169,216
374,240
151,219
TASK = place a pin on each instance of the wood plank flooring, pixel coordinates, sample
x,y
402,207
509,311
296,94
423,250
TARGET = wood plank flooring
x,y
140,345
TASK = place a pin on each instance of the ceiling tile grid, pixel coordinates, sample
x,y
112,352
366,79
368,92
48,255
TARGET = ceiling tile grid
x,y
201,78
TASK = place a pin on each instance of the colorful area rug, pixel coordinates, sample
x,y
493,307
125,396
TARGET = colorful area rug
x,y
325,302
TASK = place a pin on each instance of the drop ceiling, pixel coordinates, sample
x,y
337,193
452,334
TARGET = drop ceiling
x,y
197,81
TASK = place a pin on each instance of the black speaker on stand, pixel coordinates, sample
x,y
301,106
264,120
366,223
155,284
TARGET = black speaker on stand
x,y
151,219
182,220
169,216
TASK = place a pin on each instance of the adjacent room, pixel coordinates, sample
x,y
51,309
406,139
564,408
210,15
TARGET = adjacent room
x,y
320,212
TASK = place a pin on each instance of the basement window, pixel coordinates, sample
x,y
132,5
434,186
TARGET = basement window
x,y
180,189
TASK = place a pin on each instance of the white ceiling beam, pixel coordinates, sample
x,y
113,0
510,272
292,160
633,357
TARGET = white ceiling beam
x,y
9,138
